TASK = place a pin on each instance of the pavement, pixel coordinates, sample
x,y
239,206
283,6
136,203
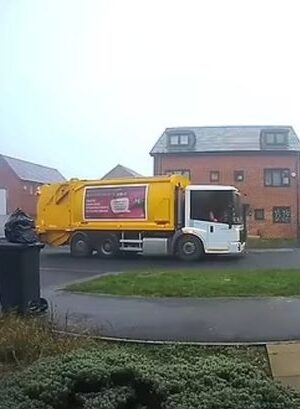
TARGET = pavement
x,y
186,320
199,320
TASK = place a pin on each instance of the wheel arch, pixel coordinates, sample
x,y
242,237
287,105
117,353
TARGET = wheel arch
x,y
100,241
186,232
86,238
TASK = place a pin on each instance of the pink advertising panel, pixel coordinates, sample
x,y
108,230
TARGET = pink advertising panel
x,y
115,202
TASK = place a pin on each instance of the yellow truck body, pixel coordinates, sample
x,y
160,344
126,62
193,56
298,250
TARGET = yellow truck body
x,y
140,205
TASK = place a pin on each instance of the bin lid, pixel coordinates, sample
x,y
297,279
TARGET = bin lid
x,y
5,244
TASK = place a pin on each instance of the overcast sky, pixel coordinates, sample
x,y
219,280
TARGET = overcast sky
x,y
87,84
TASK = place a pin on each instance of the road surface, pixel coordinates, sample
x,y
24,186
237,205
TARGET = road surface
x,y
202,320
58,267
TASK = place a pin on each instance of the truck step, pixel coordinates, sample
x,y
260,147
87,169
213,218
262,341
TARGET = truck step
x,y
133,241
136,249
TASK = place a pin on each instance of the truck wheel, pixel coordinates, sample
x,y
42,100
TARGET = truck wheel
x,y
108,247
80,245
189,248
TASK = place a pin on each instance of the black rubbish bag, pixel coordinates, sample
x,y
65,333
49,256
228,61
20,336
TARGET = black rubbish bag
x,y
20,228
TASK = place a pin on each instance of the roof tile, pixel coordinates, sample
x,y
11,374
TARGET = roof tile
x,y
32,172
121,172
224,139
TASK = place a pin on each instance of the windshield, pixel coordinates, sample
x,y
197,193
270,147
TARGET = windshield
x,y
216,206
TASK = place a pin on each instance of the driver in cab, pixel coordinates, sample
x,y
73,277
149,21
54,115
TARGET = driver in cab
x,y
211,217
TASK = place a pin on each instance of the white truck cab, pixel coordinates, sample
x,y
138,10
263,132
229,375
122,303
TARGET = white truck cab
x,y
214,215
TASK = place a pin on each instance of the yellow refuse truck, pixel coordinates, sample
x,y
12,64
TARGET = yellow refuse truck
x,y
163,215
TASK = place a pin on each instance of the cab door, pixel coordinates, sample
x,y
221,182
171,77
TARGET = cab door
x,y
215,235
218,236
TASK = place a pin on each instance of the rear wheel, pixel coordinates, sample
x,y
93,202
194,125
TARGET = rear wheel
x,y
80,245
189,248
108,247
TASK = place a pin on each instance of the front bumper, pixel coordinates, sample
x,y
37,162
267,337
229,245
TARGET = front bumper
x,y
234,247
237,248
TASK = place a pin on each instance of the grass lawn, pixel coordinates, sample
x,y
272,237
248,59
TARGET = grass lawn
x,y
191,283
271,243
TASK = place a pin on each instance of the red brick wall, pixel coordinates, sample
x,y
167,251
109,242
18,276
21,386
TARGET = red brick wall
x,y
29,197
17,196
253,190
10,182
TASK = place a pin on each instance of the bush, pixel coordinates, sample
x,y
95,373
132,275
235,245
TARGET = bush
x,y
120,379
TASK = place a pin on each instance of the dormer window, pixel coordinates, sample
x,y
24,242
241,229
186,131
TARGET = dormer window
x,y
274,138
176,140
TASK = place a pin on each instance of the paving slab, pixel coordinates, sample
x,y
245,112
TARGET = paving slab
x,y
285,363
292,381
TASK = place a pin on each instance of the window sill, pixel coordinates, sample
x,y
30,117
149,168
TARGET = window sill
x,y
284,186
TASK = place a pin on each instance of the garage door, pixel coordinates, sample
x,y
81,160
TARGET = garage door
x,y
3,205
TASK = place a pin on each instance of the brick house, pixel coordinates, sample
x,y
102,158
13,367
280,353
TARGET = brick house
x,y
19,181
261,161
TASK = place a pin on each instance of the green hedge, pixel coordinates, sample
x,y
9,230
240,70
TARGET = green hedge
x,y
118,379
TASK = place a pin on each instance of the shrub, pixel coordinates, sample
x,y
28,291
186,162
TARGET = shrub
x,y
120,379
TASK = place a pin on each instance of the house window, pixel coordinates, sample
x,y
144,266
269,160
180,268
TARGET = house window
x,y
259,214
183,172
279,138
183,139
277,177
214,176
179,139
238,175
174,139
282,215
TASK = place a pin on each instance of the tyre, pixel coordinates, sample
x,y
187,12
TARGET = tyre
x,y
108,247
80,245
189,248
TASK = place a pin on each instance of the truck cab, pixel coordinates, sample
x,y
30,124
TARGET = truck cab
x,y
213,215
